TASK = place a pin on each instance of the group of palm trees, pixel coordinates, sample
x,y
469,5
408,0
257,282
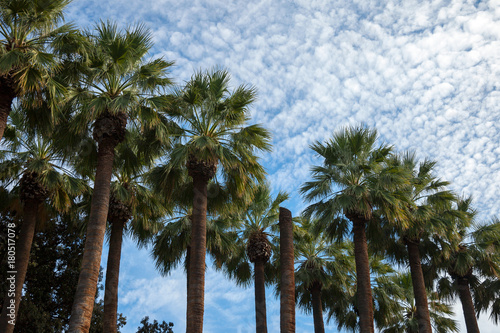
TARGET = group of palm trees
x,y
92,128
399,213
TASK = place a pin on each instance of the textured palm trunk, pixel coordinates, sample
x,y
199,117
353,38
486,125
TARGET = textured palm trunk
x,y
112,277
83,304
188,262
287,261
319,325
3,120
417,278
364,289
260,297
467,305
7,95
196,286
22,256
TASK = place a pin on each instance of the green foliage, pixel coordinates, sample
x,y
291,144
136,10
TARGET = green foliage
x,y
404,316
154,327
353,180
214,122
51,279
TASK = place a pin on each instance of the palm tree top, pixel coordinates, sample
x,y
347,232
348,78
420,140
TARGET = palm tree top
x,y
21,19
119,78
34,154
28,29
354,177
214,132
262,213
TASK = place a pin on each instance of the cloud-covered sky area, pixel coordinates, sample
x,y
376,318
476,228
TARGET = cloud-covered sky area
x,y
425,74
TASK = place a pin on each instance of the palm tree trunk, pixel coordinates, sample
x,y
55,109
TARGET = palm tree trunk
x,y
83,304
467,305
187,263
260,298
7,95
319,325
364,289
196,288
287,261
112,277
417,278
17,274
3,121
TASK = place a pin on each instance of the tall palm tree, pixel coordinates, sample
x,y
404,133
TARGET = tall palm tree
x,y
118,88
353,181
321,266
133,208
470,257
426,201
39,171
30,40
216,140
255,224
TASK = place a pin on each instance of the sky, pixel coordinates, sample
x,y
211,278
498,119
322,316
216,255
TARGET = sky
x,y
425,74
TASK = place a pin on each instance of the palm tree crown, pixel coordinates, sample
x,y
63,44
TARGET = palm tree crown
x,y
215,132
29,42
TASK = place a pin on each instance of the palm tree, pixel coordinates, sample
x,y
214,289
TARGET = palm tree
x,y
406,319
40,173
118,85
30,39
321,266
470,257
216,140
426,201
353,181
132,201
256,221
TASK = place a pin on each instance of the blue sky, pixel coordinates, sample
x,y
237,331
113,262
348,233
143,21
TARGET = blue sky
x,y
425,74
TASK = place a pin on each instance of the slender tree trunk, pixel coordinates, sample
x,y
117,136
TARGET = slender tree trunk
x,y
467,305
16,275
287,262
7,95
3,121
188,262
319,325
112,277
83,304
196,288
260,297
364,289
417,278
